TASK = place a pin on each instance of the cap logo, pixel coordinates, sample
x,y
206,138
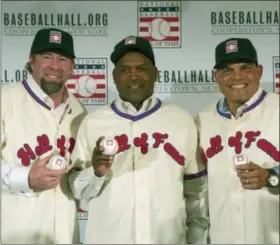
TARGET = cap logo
x,y
130,40
55,37
231,46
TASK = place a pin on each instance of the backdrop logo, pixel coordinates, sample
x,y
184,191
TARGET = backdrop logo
x,y
89,81
160,23
276,74
244,22
186,81
11,76
78,24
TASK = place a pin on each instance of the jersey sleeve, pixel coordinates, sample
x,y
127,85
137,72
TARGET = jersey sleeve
x,y
83,182
195,190
14,178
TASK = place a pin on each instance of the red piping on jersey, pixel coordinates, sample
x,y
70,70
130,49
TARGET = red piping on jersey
x,y
138,117
34,96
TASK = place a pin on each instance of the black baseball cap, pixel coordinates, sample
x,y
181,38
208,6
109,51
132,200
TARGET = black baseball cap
x,y
55,40
130,44
235,50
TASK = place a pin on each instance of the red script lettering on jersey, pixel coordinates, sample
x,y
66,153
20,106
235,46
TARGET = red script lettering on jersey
x,y
236,142
26,154
122,142
215,146
142,142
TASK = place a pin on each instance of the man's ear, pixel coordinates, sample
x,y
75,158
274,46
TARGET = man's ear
x,y
155,73
114,74
260,71
31,61
73,64
216,76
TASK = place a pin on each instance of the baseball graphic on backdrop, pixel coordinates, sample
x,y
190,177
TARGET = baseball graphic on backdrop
x,y
56,162
110,146
159,29
86,86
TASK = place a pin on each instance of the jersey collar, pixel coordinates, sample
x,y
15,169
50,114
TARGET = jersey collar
x,y
127,110
38,94
253,102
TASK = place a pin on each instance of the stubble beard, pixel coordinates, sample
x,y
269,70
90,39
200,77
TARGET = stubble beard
x,y
51,88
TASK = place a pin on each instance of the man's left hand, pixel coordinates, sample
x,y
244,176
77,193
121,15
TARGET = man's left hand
x,y
252,176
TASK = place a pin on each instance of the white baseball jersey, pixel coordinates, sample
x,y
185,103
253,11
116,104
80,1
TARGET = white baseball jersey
x,y
141,199
30,129
238,215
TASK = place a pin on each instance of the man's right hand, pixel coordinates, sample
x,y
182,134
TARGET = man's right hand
x,y
101,163
40,178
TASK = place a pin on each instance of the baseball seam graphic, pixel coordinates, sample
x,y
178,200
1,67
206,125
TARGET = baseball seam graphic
x,y
159,29
86,86
162,28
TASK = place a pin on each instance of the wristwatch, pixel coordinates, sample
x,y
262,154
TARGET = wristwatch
x,y
273,178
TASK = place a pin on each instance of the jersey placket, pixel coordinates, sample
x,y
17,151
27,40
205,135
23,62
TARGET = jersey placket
x,y
59,206
237,214
142,216
141,198
59,117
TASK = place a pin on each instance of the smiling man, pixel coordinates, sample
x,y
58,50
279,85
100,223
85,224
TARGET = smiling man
x,y
153,191
39,119
240,139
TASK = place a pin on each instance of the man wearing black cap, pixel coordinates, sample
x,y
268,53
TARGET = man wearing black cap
x,y
240,138
137,195
39,120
